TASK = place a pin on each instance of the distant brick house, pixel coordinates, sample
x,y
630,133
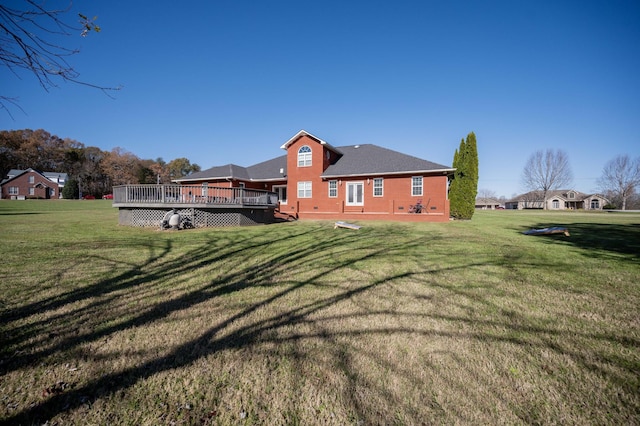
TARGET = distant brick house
x,y
563,199
315,180
30,183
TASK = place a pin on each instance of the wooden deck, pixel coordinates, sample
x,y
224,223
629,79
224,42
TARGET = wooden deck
x,y
187,196
204,206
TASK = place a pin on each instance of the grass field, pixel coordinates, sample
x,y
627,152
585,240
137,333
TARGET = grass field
x,y
300,323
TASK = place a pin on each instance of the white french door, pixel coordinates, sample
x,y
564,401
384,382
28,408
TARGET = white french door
x,y
355,193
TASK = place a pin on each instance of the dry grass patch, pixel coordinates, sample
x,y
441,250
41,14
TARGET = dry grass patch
x,y
300,323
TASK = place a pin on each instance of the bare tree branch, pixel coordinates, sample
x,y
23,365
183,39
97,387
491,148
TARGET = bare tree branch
x,y
31,40
546,171
621,177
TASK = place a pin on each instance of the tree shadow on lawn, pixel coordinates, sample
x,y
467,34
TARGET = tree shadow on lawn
x,y
135,278
598,238
283,249
239,277
21,213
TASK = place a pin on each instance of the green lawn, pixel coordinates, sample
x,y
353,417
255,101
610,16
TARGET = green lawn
x,y
300,323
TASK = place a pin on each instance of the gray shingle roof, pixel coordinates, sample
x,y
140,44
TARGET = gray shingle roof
x,y
269,170
356,160
371,159
486,201
220,172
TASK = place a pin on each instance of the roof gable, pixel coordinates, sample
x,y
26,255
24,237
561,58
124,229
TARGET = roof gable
x,y
302,133
14,174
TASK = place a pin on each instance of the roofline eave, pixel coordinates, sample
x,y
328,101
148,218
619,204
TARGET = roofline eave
x,y
407,172
202,179
228,178
269,180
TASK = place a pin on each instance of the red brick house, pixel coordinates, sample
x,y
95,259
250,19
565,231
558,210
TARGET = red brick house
x,y
30,183
315,180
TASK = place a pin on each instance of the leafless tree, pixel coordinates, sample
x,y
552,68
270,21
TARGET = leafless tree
x,y
546,171
621,177
486,193
31,39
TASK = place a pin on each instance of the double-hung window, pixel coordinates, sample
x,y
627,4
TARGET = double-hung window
x,y
355,194
13,190
377,187
304,189
416,185
304,156
333,188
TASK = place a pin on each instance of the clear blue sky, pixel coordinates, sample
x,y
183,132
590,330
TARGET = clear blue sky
x,y
224,82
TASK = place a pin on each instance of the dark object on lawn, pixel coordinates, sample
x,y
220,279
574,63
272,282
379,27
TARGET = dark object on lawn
x,y
56,389
173,220
416,208
548,231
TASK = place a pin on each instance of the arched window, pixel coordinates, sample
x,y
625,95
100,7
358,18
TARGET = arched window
x,y
595,204
304,156
556,204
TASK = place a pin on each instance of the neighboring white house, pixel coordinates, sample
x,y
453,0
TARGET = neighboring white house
x,y
562,199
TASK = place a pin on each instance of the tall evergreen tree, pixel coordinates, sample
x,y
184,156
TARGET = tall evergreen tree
x,y
464,182
455,192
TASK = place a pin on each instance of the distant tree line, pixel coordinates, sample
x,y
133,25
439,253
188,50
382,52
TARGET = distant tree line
x,y
91,170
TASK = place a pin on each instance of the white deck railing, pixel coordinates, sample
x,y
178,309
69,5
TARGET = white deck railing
x,y
192,194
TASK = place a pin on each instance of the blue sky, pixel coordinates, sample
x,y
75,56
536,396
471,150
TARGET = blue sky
x,y
224,82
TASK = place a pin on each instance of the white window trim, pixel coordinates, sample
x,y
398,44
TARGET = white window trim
x,y
413,186
304,188
381,187
335,194
305,158
355,203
